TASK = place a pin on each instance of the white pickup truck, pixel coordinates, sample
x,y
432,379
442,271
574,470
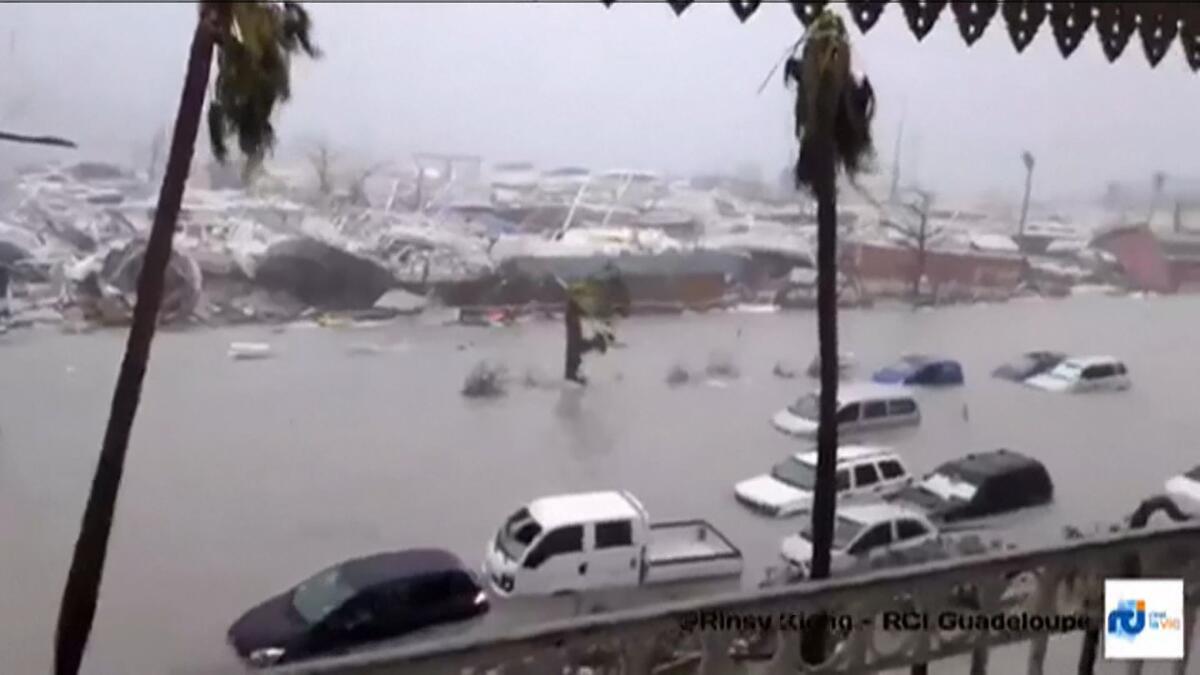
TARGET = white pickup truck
x,y
600,540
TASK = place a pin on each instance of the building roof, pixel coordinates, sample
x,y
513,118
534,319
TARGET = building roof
x,y
848,453
557,510
1115,23
381,567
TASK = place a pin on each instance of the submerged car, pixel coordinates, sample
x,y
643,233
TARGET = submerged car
x,y
1184,490
980,485
1030,364
861,533
359,601
863,473
860,407
1083,374
918,369
846,364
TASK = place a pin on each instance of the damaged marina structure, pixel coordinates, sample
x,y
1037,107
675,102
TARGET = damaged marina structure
x,y
506,239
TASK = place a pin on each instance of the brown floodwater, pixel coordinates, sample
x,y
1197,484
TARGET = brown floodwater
x,y
244,477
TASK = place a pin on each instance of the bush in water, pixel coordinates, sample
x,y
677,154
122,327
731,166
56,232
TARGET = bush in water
x,y
677,375
486,380
720,364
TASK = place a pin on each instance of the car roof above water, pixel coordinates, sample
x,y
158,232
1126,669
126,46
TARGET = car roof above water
x,y
1085,361
868,514
583,507
850,453
392,565
857,392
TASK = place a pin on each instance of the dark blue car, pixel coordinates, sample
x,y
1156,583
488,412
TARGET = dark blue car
x,y
921,370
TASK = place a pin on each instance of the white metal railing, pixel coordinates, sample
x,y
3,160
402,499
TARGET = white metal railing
x,y
1062,580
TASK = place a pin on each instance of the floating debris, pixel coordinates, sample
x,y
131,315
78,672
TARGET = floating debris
x,y
785,371
244,351
721,366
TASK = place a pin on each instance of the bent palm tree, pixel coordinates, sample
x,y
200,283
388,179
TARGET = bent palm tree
x,y
254,42
1029,162
833,115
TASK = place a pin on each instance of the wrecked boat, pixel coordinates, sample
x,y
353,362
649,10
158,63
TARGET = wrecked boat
x,y
321,275
105,284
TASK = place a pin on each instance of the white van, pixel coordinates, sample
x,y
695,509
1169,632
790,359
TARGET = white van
x,y
862,406
595,540
1082,374
864,473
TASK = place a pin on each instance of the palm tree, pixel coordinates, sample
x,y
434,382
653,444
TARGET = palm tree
x,y
1027,159
254,42
833,114
1156,187
600,298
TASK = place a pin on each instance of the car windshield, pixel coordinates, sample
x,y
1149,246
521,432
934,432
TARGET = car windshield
x,y
316,598
949,486
517,534
806,406
798,474
844,532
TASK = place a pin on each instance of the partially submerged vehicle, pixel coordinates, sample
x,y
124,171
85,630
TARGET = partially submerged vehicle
x,y
980,485
1184,490
1029,364
846,364
861,533
1081,374
861,407
356,602
863,473
919,369
598,540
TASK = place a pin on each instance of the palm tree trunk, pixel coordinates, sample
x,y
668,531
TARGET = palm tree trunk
x,y
1025,201
824,504
574,334
78,608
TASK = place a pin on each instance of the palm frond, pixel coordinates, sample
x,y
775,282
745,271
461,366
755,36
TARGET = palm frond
x,y
254,74
830,102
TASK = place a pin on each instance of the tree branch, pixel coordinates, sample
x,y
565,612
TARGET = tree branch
x,y
37,140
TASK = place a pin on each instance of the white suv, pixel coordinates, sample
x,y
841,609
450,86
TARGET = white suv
x,y
864,473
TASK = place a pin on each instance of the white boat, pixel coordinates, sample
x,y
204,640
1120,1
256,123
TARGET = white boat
x,y
249,350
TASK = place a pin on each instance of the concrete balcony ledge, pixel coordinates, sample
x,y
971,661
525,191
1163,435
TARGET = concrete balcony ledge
x,y
1054,581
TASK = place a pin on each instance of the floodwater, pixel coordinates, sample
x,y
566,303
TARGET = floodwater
x,y
245,477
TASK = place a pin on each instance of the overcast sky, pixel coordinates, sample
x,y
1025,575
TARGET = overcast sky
x,y
630,86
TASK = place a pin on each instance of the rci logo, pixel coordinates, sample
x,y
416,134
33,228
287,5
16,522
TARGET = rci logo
x,y
1144,619
1128,619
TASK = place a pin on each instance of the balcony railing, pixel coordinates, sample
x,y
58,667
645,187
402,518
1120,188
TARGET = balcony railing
x,y
1064,580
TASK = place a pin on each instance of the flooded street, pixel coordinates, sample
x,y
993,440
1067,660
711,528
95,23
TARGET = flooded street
x,y
245,477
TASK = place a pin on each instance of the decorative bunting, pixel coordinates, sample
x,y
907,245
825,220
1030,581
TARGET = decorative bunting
x,y
1158,23
1070,21
973,18
679,5
1023,19
1157,34
921,15
744,8
866,12
807,10
1114,25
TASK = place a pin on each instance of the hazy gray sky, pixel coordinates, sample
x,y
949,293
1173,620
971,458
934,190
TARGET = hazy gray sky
x,y
628,86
